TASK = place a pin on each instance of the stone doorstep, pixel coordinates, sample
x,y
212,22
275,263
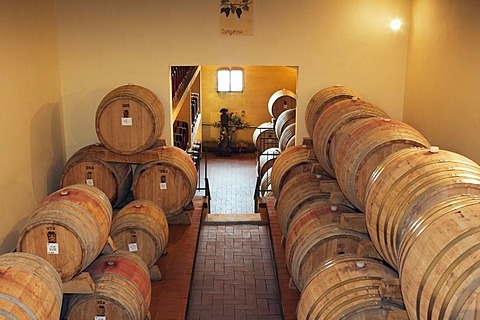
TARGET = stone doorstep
x,y
234,218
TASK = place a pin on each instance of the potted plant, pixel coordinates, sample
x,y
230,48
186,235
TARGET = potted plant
x,y
230,122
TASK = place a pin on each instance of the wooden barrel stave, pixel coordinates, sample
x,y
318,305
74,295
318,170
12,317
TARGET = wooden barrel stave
x,y
346,287
287,135
113,178
315,236
332,119
397,195
147,222
281,101
321,100
297,192
264,137
76,220
173,177
265,186
284,119
290,143
363,146
439,261
133,102
122,289
266,160
289,163
30,287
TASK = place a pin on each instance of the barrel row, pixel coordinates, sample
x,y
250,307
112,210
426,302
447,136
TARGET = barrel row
x,y
168,177
309,217
31,288
293,160
265,137
420,203
323,231
282,108
271,138
70,228
280,131
422,212
314,217
68,231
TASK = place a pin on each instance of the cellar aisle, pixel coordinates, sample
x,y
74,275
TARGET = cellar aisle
x,y
232,182
258,289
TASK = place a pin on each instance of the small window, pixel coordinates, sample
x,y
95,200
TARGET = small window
x,y
229,80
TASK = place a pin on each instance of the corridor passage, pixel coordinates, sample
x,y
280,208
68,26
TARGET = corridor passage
x,y
234,276
232,182
236,269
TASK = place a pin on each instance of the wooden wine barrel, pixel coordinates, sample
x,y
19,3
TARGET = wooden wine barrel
x,y
439,265
315,236
284,119
289,163
321,100
287,136
113,178
69,228
363,146
142,228
297,192
30,287
129,119
346,287
266,160
290,143
265,183
332,119
406,184
280,101
122,289
170,182
264,137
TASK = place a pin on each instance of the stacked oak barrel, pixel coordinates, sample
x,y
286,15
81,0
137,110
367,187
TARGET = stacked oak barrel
x,y
420,204
271,138
74,234
129,121
282,107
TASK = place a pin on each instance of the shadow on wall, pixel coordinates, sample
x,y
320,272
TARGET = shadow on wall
x,y
79,117
47,150
11,238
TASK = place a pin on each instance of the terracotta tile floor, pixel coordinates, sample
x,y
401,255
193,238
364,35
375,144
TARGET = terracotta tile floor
x,y
234,275
232,182
170,295
237,274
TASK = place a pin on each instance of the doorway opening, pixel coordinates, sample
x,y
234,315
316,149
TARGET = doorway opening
x,y
229,162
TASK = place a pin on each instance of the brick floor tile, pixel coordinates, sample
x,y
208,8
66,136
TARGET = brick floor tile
x,y
240,314
243,280
236,266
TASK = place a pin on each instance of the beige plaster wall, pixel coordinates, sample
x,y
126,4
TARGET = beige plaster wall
x,y
261,82
104,44
443,77
32,147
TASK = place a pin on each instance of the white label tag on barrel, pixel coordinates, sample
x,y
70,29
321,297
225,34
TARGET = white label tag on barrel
x,y
163,185
127,122
89,182
52,248
133,247
100,318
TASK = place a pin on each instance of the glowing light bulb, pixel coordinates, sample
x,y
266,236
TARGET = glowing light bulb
x,y
396,24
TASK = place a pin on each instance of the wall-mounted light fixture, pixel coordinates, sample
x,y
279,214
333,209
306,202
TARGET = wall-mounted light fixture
x,y
396,24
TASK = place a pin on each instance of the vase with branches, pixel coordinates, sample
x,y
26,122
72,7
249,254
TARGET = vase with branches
x,y
233,124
